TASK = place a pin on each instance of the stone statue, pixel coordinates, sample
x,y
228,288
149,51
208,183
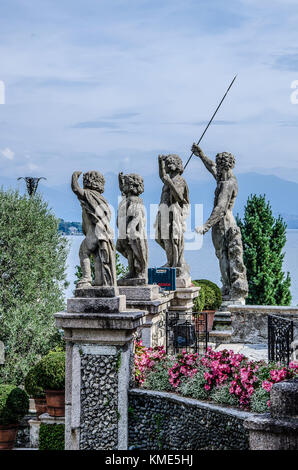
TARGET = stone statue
x,y
226,235
131,221
98,240
172,213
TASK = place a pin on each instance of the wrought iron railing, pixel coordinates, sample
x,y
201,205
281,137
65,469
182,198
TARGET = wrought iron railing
x,y
186,331
280,338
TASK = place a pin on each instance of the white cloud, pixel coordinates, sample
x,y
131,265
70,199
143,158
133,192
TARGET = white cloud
x,y
7,153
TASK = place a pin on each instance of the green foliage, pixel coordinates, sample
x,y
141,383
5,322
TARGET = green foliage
x,y
50,371
32,280
258,401
158,378
221,395
31,386
51,436
209,297
121,270
264,238
14,404
194,386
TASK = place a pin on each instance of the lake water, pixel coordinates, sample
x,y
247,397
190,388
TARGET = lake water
x,y
203,262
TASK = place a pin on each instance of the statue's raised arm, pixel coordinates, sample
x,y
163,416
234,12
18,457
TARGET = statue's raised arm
x,y
79,192
209,164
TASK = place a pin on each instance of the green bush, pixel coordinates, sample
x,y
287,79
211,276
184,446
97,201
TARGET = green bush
x,y
14,404
51,436
32,280
194,386
258,401
31,386
209,297
50,371
222,396
158,378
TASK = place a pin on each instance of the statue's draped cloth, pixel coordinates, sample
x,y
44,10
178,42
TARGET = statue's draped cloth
x,y
99,212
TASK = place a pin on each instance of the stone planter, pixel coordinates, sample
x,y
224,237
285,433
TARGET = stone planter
x,y
8,434
200,321
55,402
40,406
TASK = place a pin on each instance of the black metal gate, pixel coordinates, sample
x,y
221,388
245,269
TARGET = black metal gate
x,y
186,331
280,337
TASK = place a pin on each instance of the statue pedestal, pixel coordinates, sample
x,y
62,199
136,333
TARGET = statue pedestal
x,y
155,303
99,346
183,300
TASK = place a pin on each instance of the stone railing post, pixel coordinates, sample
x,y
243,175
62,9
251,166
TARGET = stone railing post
x,y
277,430
99,334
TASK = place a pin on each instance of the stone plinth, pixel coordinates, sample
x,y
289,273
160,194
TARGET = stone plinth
x,y
155,304
34,432
277,430
99,347
183,299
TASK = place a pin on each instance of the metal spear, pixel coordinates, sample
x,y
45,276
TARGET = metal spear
x,y
198,143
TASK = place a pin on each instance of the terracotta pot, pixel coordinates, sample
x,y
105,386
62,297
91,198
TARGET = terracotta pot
x,y
8,434
40,406
200,325
55,402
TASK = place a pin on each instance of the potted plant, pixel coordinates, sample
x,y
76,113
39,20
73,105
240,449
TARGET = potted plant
x,y
207,302
14,404
36,392
50,372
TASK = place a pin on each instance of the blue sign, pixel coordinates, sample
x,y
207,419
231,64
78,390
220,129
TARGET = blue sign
x,y
164,277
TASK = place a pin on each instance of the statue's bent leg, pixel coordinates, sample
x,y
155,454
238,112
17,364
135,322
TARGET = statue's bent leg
x,y
84,255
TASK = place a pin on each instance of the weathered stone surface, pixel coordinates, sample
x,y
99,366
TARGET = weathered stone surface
x,y
96,305
131,221
102,291
137,281
250,322
99,402
278,429
183,299
226,235
141,293
172,213
166,421
284,400
128,320
96,226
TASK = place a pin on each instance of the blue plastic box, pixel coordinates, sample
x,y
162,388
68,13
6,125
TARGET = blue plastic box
x,y
164,277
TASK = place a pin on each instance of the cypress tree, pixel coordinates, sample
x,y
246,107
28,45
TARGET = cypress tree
x,y
264,238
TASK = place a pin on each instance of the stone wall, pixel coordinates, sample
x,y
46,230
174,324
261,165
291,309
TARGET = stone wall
x,y
249,322
165,421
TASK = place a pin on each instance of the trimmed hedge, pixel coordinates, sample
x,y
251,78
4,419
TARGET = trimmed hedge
x,y
51,436
31,385
50,371
14,404
209,297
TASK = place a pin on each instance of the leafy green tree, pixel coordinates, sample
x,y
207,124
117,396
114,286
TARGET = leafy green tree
x,y
32,280
264,238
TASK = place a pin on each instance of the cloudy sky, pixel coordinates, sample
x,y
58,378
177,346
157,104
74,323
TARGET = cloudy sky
x,y
110,84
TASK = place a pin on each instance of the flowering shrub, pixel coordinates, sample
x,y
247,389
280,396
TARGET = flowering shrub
x,y
220,376
146,359
220,366
185,366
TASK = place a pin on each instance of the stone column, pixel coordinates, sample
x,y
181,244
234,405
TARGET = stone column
x,y
155,304
99,334
277,430
183,300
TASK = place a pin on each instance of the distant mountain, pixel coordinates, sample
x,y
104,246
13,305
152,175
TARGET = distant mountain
x,y
282,194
